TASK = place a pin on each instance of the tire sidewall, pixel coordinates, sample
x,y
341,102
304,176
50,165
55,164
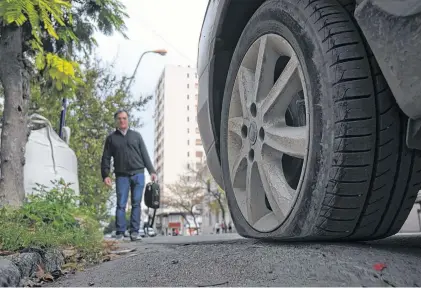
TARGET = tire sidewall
x,y
286,18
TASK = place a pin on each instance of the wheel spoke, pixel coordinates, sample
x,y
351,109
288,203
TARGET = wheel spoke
x,y
265,67
235,124
277,189
284,89
238,163
249,193
246,87
289,140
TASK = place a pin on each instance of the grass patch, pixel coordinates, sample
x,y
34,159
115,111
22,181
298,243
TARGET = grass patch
x,y
52,219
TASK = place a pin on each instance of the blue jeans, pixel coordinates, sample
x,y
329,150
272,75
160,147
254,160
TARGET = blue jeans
x,y
135,184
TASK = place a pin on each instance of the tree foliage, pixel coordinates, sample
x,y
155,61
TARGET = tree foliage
x,y
186,194
39,41
216,195
218,202
55,29
90,119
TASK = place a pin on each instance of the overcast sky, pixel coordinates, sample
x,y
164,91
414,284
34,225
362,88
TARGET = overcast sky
x,y
170,24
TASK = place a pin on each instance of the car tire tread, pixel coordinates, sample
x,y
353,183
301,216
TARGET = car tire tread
x,y
376,218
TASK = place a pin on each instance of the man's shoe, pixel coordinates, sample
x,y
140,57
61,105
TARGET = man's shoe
x,y
127,234
134,236
119,236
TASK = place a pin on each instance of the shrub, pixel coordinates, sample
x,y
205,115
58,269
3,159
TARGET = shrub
x,y
51,219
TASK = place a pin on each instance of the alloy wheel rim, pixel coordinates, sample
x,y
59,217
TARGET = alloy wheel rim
x,y
268,132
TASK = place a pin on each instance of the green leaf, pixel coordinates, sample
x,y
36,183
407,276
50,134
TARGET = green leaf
x,y
40,61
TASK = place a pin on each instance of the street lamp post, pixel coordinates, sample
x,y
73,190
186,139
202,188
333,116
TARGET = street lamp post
x,y
161,52
62,117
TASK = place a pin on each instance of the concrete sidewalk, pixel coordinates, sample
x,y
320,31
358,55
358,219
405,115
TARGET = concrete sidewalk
x,y
208,239
230,260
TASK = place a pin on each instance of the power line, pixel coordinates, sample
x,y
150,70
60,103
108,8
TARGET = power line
x,y
167,42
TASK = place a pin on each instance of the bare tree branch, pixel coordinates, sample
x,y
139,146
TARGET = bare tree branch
x,y
185,195
201,177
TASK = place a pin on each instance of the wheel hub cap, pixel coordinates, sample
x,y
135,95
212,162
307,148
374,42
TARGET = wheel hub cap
x,y
267,150
252,133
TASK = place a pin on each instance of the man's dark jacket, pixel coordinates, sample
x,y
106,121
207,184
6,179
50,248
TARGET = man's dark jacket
x,y
129,153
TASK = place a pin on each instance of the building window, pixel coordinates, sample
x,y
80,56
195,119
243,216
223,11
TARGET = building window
x,y
198,142
188,108
197,130
188,142
188,119
199,165
199,154
188,96
188,154
188,130
196,85
188,85
188,167
188,75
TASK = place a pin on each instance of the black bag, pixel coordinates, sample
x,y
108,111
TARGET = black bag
x,y
152,192
152,200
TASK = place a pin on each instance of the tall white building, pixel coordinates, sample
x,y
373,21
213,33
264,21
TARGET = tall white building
x,y
177,139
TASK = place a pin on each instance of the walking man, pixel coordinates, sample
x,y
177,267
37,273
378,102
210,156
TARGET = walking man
x,y
130,157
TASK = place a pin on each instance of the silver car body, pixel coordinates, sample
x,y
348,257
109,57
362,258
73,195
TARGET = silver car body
x,y
223,23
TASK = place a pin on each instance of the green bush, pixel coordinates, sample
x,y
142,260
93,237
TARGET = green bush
x,y
51,219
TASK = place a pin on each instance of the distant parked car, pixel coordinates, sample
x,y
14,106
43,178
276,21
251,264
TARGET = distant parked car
x,y
151,232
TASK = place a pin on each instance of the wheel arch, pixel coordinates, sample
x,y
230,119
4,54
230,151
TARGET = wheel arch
x,y
238,13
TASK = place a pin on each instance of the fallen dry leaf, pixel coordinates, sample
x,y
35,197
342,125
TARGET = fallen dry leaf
x,y
48,277
5,253
68,253
40,272
110,245
70,265
109,257
124,251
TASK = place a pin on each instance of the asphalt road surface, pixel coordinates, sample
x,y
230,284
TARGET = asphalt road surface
x,y
229,260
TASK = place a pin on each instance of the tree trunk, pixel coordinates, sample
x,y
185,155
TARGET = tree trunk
x,y
222,210
195,223
14,135
187,221
217,196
